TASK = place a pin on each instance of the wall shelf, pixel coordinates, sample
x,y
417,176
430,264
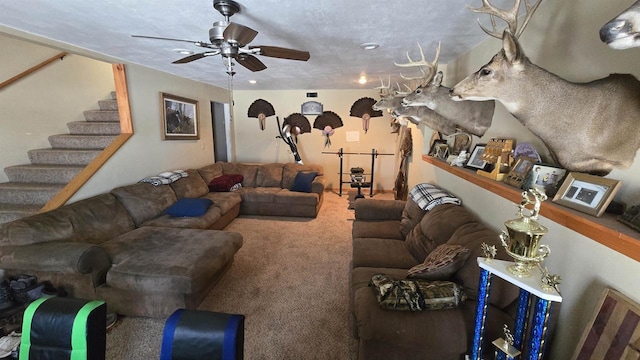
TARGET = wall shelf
x,y
606,229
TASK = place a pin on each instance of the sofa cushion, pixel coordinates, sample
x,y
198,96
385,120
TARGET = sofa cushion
x,y
91,220
259,194
189,207
472,236
210,217
269,175
302,181
248,172
435,229
383,253
224,200
145,259
413,330
441,263
411,216
290,171
285,196
384,229
210,172
226,182
144,201
191,186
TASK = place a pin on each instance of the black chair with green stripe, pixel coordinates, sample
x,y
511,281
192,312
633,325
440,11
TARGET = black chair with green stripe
x,y
64,328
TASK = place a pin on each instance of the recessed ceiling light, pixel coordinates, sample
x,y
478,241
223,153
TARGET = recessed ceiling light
x,y
253,82
369,46
363,79
183,51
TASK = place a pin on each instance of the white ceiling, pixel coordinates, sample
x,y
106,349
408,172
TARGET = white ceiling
x,y
331,30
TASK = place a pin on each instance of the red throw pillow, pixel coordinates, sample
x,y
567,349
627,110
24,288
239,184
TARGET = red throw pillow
x,y
225,182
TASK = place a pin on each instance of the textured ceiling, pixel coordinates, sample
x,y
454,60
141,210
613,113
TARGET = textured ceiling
x,y
331,30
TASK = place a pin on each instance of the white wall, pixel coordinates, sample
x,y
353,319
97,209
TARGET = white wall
x,y
562,38
254,145
145,153
42,103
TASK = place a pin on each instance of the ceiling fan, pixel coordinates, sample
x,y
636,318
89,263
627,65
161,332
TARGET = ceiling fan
x,y
230,40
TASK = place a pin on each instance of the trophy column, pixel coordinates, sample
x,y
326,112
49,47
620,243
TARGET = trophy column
x,y
532,291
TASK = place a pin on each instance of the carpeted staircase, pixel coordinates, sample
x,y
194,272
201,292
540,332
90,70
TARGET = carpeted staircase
x,y
31,186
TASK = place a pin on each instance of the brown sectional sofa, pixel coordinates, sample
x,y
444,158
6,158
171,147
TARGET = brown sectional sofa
x,y
390,237
121,246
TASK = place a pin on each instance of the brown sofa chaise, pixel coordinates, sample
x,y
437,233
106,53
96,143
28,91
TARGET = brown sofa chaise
x,y
121,246
392,236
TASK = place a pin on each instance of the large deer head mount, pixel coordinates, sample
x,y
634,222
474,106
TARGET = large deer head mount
x,y
588,127
423,115
623,32
472,117
428,69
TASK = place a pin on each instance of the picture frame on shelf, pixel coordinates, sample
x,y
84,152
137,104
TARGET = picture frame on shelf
x,y
586,193
545,177
437,145
475,158
179,117
519,171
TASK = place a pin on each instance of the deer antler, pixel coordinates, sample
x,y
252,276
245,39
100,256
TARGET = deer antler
x,y
399,92
508,16
385,90
423,64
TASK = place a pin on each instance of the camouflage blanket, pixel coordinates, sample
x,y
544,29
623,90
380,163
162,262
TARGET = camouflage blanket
x,y
416,294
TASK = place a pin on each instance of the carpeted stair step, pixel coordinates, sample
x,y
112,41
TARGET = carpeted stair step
x,y
28,193
67,141
110,104
10,212
101,115
48,174
62,156
94,128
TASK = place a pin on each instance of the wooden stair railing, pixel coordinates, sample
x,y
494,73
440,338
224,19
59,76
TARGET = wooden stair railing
x,y
32,70
126,131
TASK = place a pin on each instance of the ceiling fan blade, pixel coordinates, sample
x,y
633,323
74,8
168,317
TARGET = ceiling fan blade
x,y
163,38
282,53
193,57
251,62
239,34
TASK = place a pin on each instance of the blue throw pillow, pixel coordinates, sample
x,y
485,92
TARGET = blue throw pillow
x,y
303,180
189,207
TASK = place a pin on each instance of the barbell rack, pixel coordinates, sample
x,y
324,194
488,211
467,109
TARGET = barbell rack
x,y
374,154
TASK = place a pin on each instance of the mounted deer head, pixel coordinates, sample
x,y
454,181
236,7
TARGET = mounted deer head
x,y
472,117
623,32
423,115
428,69
588,127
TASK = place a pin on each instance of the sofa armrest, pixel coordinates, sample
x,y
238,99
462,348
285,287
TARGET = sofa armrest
x,y
318,184
56,256
370,209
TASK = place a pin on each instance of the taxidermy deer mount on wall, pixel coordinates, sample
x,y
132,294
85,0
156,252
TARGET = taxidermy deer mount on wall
x,y
623,32
588,127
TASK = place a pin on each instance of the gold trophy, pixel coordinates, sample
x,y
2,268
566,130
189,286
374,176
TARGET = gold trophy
x,y
522,238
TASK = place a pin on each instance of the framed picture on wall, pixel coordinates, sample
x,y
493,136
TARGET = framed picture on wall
x,y
179,118
587,193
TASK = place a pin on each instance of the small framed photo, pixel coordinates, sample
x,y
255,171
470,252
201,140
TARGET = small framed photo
x,y
437,147
475,158
589,194
519,171
179,118
545,177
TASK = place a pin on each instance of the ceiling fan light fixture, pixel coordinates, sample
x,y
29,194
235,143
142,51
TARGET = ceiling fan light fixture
x,y
369,46
183,51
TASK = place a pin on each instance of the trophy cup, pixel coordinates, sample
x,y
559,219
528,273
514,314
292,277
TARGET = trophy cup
x,y
522,238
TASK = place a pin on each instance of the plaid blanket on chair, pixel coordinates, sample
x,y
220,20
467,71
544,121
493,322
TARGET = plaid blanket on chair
x,y
428,196
165,178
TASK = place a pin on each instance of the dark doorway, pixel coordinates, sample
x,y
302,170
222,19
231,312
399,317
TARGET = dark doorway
x,y
220,118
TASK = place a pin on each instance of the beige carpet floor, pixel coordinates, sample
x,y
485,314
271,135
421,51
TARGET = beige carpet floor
x,y
289,279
